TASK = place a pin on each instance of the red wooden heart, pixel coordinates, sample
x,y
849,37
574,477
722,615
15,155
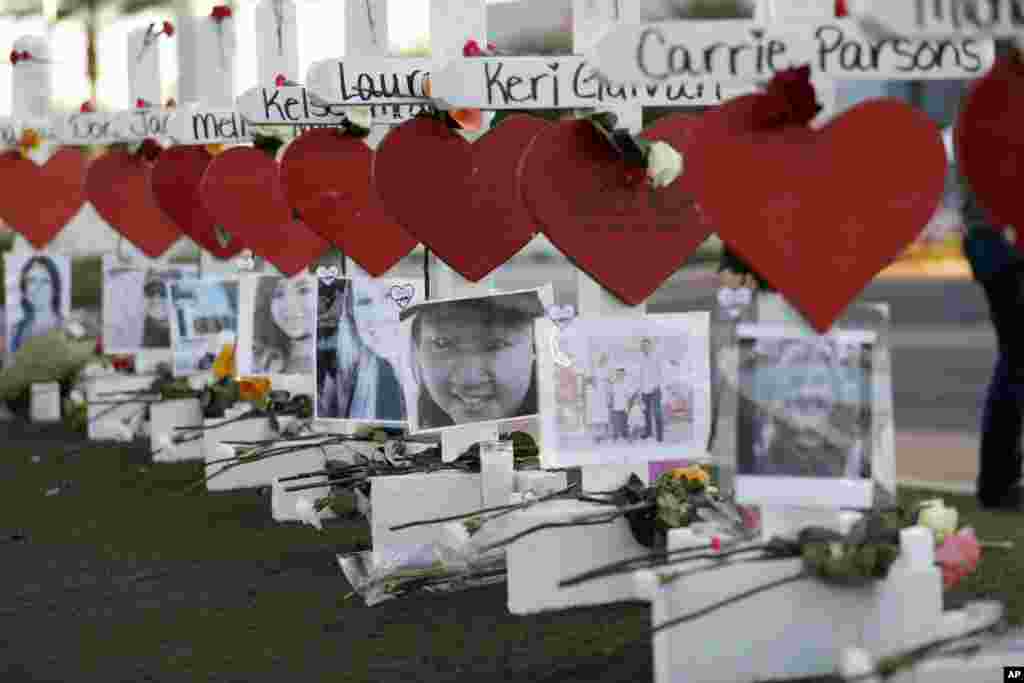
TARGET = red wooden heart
x,y
175,184
819,213
242,191
118,185
326,177
38,201
459,199
990,144
624,234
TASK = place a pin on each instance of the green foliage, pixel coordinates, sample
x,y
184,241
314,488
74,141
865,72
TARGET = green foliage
x,y
47,358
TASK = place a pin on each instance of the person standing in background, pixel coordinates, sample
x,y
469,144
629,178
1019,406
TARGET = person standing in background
x,y
998,266
653,380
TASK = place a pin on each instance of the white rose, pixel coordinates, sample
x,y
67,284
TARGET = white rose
x,y
360,116
306,512
664,164
123,433
940,519
165,444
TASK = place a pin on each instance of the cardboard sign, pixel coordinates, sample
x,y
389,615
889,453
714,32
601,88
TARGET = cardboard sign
x,y
941,18
368,81
104,128
742,50
558,83
287,105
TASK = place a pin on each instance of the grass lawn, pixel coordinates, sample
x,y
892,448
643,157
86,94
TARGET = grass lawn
x,y
122,577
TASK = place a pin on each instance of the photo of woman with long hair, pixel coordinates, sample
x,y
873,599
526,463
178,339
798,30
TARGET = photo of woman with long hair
x,y
358,361
284,325
474,360
38,297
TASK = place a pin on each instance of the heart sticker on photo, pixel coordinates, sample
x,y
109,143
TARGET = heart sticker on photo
x,y
819,213
176,177
38,201
326,178
625,234
118,186
990,144
328,274
402,295
242,191
561,315
459,199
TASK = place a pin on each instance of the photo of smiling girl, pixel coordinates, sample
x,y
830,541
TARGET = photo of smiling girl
x,y
472,360
277,330
359,348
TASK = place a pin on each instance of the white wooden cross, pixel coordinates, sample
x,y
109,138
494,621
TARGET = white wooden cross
x,y
786,34
31,88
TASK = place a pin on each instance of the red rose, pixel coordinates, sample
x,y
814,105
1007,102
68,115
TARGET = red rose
x,y
220,12
141,103
840,8
280,81
471,49
87,107
168,29
99,346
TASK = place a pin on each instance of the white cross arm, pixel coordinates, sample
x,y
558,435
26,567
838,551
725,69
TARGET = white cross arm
x,y
364,81
940,18
106,128
288,105
559,83
742,50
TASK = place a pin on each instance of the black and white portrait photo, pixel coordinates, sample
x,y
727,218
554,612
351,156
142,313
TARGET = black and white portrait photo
x,y
472,360
137,304
626,391
277,325
359,361
205,316
804,408
38,292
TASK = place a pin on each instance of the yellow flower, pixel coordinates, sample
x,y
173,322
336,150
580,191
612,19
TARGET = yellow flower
x,y
224,366
29,140
214,150
692,473
253,389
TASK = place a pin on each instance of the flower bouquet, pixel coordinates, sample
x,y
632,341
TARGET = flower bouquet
x,y
58,356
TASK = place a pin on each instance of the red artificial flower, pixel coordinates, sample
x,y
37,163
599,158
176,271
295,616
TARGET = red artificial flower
x,y
87,107
220,12
22,56
716,544
280,81
149,149
168,29
789,100
99,346
141,103
840,8
471,49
